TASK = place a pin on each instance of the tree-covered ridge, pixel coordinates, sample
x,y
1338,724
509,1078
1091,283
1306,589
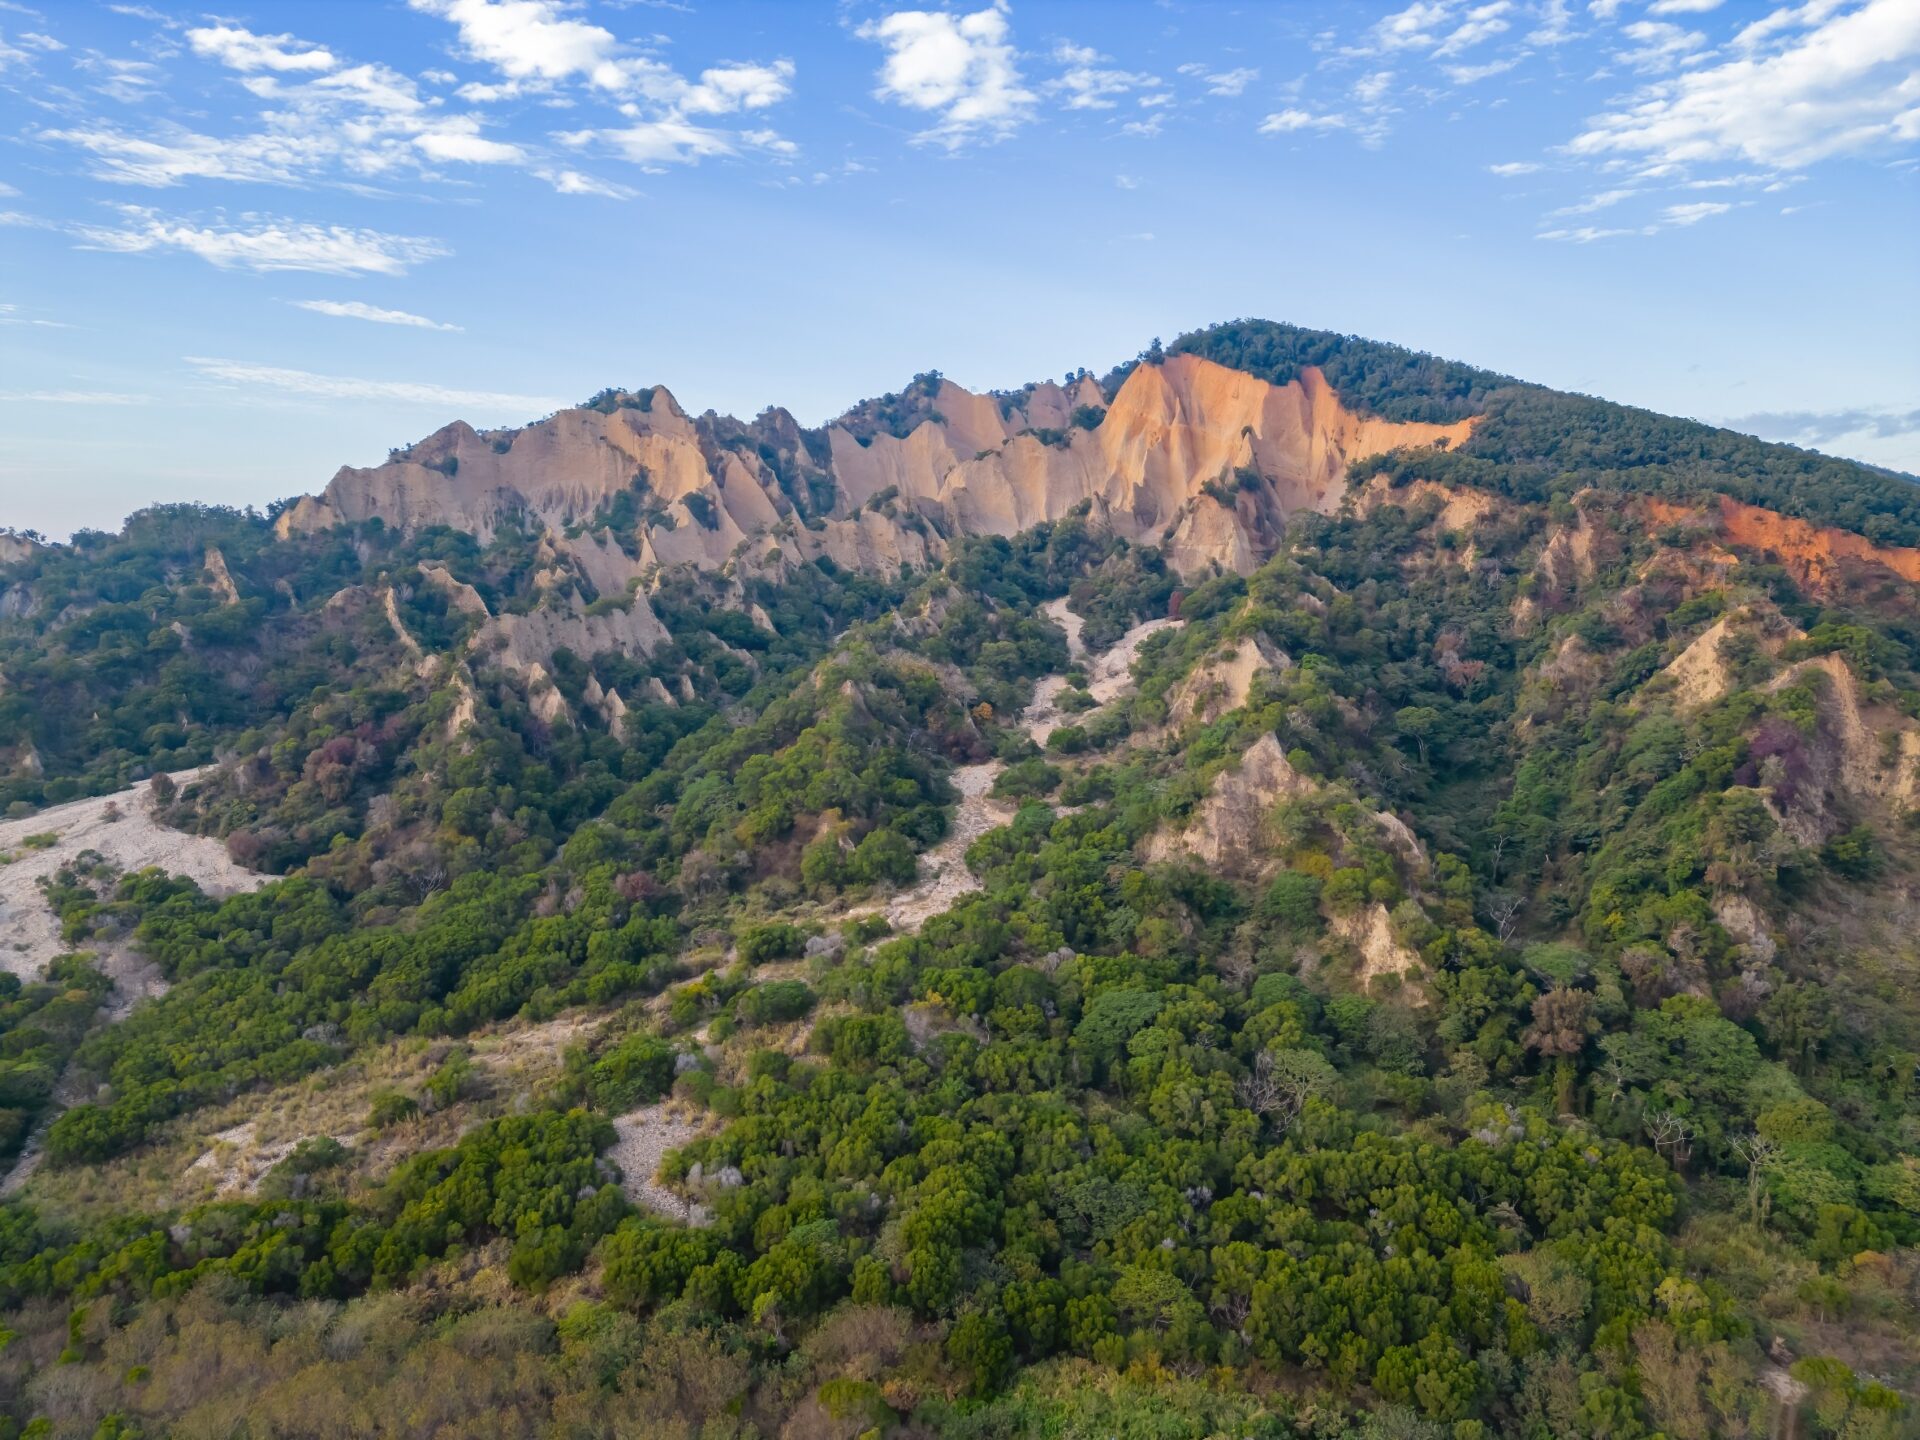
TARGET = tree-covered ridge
x,y
1532,443
1386,380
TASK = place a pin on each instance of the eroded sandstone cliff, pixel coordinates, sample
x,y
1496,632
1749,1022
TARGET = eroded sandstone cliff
x,y
1205,461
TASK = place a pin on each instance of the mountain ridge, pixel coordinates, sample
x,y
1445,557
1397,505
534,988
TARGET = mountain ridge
x,y
1172,436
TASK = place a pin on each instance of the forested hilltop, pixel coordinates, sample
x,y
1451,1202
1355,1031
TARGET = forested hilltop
x,y
1419,949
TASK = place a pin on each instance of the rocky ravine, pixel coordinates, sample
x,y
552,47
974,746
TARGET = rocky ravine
x,y
944,876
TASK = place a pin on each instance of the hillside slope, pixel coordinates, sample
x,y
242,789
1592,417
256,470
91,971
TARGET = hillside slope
x,y
1263,922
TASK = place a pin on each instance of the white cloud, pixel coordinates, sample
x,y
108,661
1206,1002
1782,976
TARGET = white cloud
x,y
656,142
537,44
1510,168
1371,89
1126,182
10,315
367,120
360,310
1587,234
266,245
1768,28
460,139
1087,84
130,82
171,155
1658,45
1555,24
1673,217
1683,7
1415,27
572,182
727,88
1849,86
770,141
343,387
1222,82
530,39
1482,22
241,49
1474,74
962,67
1694,213
1285,122
1605,200
71,397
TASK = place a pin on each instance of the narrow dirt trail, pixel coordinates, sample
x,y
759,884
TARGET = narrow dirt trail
x,y
944,876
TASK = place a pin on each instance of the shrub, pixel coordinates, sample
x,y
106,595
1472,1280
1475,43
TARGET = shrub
x,y
775,1002
637,1071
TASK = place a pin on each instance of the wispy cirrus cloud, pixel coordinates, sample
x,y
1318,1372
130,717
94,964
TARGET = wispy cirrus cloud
x,y
263,244
1293,120
317,118
283,381
1669,217
1090,82
360,310
1226,83
71,397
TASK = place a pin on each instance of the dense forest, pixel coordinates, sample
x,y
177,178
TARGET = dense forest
x,y
1456,981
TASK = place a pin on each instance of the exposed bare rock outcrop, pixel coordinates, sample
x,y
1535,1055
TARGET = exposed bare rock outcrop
x,y
460,595
1381,954
1459,509
1228,830
1204,460
1701,673
219,578
520,642
1863,753
1221,683
390,605
1817,556
15,548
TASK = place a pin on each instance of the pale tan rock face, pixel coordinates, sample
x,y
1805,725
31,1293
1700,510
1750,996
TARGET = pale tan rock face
x,y
1222,683
219,578
1204,460
524,642
1371,933
1228,831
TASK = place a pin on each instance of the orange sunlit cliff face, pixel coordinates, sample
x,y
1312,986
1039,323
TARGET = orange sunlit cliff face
x,y
1815,555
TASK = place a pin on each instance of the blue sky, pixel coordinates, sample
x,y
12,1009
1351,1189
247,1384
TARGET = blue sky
x,y
240,248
